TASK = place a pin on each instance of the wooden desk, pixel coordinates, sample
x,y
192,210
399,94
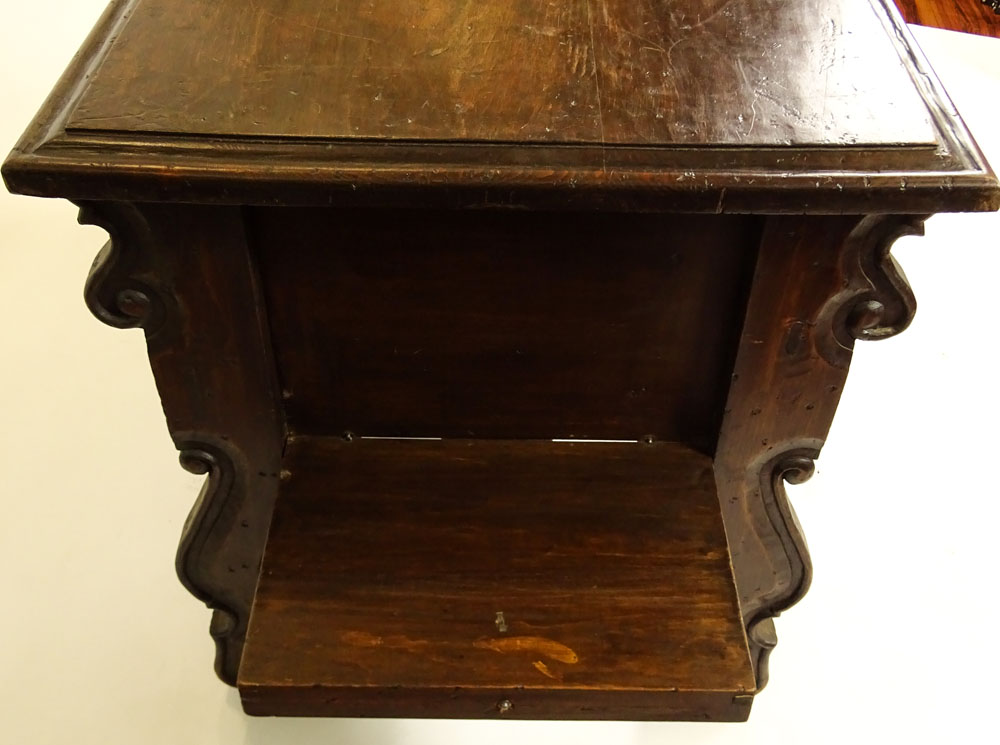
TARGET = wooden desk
x,y
399,266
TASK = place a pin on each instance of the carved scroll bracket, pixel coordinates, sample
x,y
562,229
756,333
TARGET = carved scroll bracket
x,y
185,276
795,466
214,514
821,284
876,301
122,289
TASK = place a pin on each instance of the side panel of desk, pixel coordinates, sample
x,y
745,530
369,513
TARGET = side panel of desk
x,y
183,274
821,283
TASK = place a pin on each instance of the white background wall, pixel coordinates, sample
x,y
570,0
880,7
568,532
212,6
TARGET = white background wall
x,y
100,644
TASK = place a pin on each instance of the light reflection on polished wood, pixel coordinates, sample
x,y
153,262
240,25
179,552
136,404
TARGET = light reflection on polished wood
x,y
607,71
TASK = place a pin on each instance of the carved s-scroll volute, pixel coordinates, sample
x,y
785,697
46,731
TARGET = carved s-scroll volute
x,y
184,275
123,288
821,283
876,301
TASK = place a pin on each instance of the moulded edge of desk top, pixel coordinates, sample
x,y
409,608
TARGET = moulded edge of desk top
x,y
132,166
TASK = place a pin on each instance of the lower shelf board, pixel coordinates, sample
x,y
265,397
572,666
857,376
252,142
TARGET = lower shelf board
x,y
514,579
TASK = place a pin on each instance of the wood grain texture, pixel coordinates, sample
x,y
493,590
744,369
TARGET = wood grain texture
x,y
484,324
184,276
608,71
970,16
801,121
820,285
389,561
471,219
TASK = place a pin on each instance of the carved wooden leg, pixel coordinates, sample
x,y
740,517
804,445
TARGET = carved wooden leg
x,y
816,290
185,276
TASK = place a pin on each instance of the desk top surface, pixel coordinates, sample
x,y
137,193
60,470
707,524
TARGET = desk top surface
x,y
613,94
621,72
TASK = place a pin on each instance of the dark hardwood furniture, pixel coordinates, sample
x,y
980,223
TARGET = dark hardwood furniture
x,y
399,265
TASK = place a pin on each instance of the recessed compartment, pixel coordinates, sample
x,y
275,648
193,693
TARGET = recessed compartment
x,y
505,324
490,570
482,578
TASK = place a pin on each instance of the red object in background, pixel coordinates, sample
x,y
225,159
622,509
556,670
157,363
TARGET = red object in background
x,y
970,16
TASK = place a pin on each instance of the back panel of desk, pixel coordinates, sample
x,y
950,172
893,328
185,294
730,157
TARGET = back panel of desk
x,y
504,324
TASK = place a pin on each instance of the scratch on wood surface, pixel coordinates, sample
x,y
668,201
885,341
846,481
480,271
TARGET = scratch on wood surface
x,y
649,44
753,103
597,85
788,109
711,16
395,641
542,31
543,669
670,51
538,644
316,27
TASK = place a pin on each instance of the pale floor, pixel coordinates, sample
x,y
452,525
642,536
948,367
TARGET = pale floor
x,y
100,644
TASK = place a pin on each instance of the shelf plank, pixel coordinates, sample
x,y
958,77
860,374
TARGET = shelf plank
x,y
390,562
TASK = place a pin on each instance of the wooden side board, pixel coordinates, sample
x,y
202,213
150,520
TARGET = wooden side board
x,y
821,284
183,274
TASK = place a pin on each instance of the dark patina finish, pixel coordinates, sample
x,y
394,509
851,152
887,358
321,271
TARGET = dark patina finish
x,y
398,265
